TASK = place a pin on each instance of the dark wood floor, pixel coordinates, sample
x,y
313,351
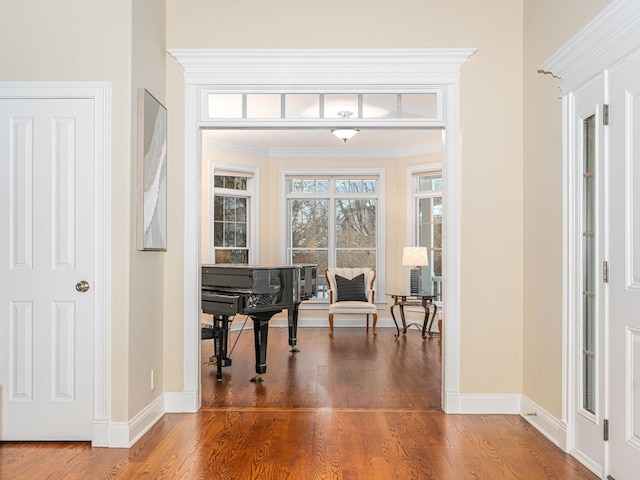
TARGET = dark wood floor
x,y
348,407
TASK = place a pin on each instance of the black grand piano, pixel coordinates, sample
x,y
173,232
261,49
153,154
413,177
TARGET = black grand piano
x,y
258,291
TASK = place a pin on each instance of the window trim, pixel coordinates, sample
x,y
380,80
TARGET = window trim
x,y
380,221
252,193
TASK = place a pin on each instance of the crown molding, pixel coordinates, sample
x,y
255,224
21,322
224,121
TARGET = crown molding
x,y
321,67
610,37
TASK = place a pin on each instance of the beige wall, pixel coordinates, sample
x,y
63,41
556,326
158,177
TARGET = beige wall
x,y
79,40
548,25
147,268
491,258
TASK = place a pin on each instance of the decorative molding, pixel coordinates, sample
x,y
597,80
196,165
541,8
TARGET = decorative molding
x,y
610,37
321,67
549,426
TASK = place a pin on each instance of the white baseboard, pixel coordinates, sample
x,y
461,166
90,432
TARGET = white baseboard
x,y
125,434
490,403
552,428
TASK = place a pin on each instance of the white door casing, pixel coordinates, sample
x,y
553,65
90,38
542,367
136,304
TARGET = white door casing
x,y
624,318
294,70
53,171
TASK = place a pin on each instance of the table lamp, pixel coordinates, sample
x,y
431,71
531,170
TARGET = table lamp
x,y
415,257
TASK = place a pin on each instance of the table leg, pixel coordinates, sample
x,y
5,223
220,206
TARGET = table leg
x,y
404,321
394,320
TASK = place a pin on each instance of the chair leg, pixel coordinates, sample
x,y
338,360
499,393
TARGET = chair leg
x,y
367,322
331,324
375,321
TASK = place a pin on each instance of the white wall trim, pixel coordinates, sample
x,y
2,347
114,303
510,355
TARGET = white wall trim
x,y
490,403
298,70
100,93
610,37
551,427
125,434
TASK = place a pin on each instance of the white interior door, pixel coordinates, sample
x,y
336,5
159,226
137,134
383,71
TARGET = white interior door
x,y
589,294
624,395
47,247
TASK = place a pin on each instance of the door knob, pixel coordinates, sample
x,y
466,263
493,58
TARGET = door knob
x,y
82,286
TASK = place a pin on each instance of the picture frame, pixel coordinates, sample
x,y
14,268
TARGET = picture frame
x,y
152,173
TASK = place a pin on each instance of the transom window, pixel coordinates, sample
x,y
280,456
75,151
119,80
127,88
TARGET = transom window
x,y
333,221
425,105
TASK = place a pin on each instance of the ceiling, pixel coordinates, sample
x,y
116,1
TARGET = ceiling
x,y
371,142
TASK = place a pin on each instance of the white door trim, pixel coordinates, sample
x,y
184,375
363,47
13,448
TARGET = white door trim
x,y
99,93
332,69
607,40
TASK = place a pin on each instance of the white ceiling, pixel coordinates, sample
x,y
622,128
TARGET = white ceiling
x,y
371,142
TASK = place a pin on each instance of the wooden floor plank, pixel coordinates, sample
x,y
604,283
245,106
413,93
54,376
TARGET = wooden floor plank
x,y
352,406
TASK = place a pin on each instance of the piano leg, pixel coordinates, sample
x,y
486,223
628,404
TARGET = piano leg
x,y
260,330
220,343
293,327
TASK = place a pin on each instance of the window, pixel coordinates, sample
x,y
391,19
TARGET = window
x,y
231,216
333,221
427,188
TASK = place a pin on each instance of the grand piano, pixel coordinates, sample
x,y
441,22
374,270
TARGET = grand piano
x,y
258,291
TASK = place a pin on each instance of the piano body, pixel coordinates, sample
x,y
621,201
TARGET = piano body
x,y
258,291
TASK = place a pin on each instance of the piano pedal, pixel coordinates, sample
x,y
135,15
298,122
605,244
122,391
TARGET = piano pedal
x,y
257,379
214,361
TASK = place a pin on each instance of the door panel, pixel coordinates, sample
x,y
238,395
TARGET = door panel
x,y
46,247
588,294
624,396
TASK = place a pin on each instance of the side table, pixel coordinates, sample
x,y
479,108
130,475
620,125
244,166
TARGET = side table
x,y
425,301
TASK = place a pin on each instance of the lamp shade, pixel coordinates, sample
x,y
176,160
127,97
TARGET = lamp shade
x,y
415,257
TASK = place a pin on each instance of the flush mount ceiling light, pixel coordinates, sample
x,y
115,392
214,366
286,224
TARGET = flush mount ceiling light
x,y
345,134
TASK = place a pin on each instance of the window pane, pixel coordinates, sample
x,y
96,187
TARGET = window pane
x,y
225,105
218,234
229,209
241,209
263,105
335,103
427,183
309,223
298,105
241,235
379,105
355,258
355,223
218,208
232,256
229,234
419,105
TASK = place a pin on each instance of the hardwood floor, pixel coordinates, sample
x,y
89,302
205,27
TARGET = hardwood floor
x,y
348,407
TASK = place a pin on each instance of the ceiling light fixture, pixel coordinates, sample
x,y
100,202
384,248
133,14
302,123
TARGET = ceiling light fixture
x,y
345,134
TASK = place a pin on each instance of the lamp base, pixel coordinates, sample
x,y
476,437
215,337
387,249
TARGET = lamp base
x,y
414,281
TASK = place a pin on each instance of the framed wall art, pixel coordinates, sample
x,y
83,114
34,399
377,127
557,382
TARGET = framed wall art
x,y
152,173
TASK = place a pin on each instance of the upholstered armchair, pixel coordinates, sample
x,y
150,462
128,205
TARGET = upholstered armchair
x,y
351,293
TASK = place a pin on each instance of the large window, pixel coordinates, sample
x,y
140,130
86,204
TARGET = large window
x,y
333,221
231,230
427,188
